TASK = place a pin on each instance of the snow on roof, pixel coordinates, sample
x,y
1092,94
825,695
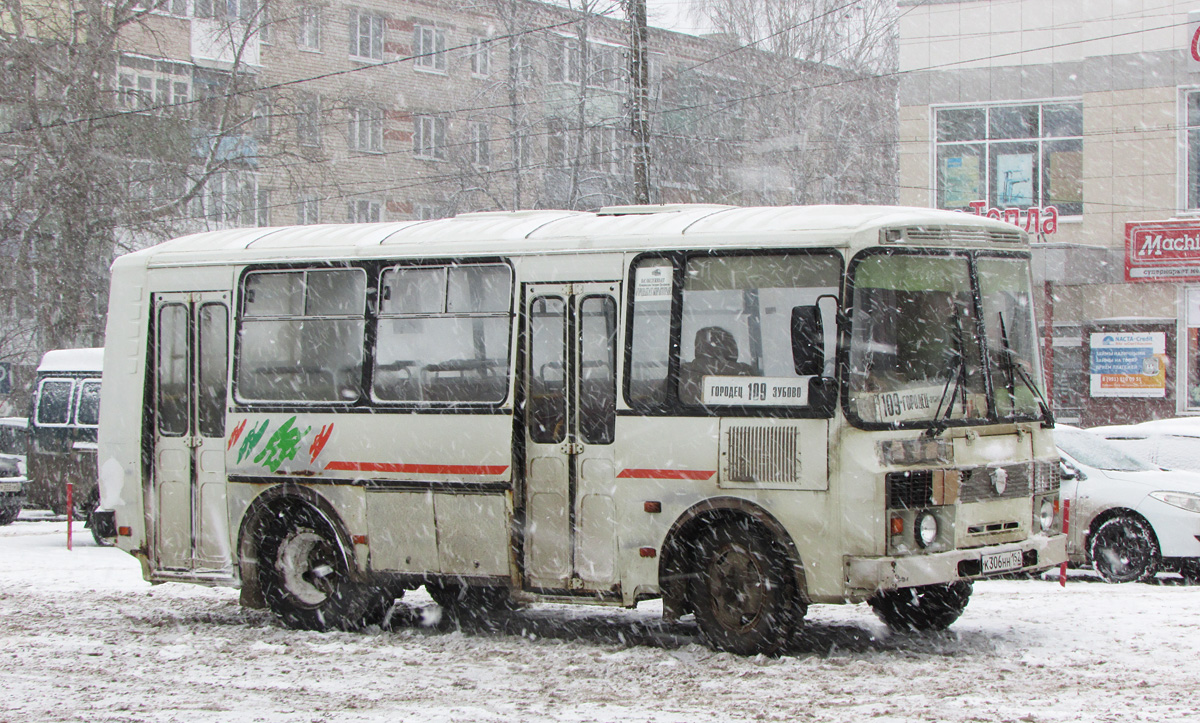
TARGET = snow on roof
x,y
72,360
617,228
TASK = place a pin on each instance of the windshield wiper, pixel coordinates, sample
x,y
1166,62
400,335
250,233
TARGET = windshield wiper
x,y
1014,370
958,379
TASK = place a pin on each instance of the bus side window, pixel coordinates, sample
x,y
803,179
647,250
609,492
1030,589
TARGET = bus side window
x,y
547,364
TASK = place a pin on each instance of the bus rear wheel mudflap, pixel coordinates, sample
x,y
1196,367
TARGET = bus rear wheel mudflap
x,y
742,592
306,577
928,607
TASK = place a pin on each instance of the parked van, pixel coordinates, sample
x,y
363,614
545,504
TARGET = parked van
x,y
62,432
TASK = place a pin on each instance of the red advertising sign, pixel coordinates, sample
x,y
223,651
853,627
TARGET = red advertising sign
x,y
1162,251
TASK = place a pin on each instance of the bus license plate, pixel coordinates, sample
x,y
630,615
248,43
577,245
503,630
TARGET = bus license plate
x,y
10,486
1002,561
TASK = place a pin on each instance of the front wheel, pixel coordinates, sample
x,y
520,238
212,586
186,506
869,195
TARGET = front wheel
x,y
743,594
929,607
1124,549
9,514
306,580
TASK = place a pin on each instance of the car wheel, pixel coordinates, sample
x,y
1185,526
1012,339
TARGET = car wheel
x,y
743,594
9,515
306,580
928,607
1124,549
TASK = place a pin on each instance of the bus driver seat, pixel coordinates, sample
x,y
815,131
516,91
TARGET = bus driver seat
x,y
716,355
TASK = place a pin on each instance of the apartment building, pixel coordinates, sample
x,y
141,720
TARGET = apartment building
x,y
1080,122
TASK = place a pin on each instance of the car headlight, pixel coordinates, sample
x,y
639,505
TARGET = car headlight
x,y
925,529
1046,515
1183,500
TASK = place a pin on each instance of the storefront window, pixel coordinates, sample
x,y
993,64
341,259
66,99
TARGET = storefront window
x,y
1192,393
1193,149
1011,156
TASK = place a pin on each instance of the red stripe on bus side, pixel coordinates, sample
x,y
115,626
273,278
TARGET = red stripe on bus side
x,y
469,469
666,474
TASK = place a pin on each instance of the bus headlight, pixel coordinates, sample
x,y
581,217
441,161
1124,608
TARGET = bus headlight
x,y
1046,515
925,529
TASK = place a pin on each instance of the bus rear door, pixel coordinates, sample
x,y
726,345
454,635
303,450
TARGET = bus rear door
x,y
191,528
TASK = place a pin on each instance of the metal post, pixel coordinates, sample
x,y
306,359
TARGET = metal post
x,y
639,96
70,510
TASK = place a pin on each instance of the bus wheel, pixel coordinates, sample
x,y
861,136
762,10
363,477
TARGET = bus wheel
x,y
305,580
929,607
93,505
743,597
1123,549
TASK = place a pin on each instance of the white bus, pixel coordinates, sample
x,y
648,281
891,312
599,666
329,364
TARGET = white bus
x,y
741,411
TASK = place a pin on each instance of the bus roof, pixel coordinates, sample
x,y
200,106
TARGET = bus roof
x,y
72,360
622,228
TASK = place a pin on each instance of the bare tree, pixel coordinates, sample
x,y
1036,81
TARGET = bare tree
x,y
105,147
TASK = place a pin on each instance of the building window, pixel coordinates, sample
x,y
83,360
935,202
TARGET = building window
x,y
364,210
308,121
429,137
366,35
225,9
522,58
1011,156
234,198
481,145
308,28
308,210
481,57
146,84
603,150
1193,150
429,48
556,143
563,63
366,129
426,212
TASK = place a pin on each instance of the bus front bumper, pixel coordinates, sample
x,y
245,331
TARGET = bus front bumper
x,y
1037,553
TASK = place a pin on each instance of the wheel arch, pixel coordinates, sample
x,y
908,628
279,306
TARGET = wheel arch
x,y
277,502
677,550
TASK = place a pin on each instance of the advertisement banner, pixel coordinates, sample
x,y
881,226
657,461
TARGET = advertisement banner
x,y
1129,364
1162,251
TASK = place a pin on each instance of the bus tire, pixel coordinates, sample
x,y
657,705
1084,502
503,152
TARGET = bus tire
x,y
92,506
928,607
1124,549
306,580
744,600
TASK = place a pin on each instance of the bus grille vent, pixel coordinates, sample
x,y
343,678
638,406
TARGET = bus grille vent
x,y
763,454
961,236
910,490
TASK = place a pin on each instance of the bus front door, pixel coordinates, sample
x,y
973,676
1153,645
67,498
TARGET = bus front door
x,y
570,415
189,521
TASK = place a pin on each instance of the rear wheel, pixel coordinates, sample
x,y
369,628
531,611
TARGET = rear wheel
x,y
1124,549
8,515
743,594
306,580
90,508
929,607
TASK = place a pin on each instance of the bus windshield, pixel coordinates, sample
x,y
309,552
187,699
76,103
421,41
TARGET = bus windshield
x,y
916,355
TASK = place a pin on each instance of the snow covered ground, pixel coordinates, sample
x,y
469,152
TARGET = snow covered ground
x,y
83,638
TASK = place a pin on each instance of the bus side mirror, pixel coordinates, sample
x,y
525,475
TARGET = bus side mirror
x,y
808,341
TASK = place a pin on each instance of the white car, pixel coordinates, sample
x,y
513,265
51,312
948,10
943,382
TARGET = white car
x,y
1168,443
1127,518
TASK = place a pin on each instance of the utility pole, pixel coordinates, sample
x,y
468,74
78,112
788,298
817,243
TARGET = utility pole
x,y
639,71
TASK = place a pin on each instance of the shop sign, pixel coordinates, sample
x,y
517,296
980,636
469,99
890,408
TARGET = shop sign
x,y
1162,251
1035,219
1128,364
